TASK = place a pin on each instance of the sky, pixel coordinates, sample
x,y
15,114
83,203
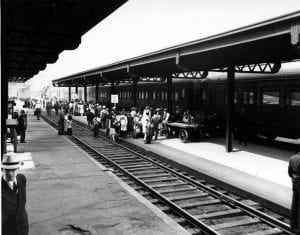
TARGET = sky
x,y
142,26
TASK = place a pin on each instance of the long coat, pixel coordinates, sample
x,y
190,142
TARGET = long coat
x,y
14,215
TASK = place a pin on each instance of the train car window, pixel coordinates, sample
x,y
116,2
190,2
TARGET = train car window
x,y
143,95
270,97
146,95
245,97
154,94
251,97
183,93
235,97
295,98
176,95
204,95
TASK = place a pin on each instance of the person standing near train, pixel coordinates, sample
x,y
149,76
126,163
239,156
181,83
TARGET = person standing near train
x,y
61,122
156,120
294,173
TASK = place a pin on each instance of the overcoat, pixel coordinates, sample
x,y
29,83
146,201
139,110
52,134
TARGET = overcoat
x,y
14,215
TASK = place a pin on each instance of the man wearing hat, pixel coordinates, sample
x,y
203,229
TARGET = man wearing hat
x,y
14,215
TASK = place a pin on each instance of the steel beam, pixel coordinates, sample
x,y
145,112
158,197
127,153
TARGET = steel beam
x,y
230,109
169,94
69,93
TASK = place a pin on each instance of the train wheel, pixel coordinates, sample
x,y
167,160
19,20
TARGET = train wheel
x,y
183,135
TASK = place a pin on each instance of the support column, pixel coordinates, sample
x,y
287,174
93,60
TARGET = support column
x,y
97,92
4,96
230,108
4,108
69,93
169,94
76,90
134,88
112,90
85,93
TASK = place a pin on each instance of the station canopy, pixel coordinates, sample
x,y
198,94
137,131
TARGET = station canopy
x,y
262,45
35,32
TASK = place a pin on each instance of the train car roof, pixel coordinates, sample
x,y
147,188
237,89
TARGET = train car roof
x,y
267,41
289,71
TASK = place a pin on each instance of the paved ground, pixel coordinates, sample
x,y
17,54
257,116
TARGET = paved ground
x,y
69,193
257,169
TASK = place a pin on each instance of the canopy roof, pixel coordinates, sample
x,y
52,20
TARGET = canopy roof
x,y
275,40
34,32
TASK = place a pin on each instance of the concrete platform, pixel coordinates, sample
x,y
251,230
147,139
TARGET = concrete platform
x,y
256,169
70,193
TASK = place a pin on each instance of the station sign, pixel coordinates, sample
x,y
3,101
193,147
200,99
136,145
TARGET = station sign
x,y
114,99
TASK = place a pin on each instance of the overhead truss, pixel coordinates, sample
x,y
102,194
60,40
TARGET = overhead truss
x,y
191,75
254,68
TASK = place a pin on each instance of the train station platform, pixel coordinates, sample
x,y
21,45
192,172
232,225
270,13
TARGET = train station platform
x,y
70,193
256,170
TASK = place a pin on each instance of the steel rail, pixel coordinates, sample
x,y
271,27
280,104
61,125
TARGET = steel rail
x,y
224,198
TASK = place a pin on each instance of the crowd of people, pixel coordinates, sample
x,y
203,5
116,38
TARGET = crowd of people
x,y
121,123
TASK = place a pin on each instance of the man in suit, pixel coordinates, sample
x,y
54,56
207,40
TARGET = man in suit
x,y
13,185
294,173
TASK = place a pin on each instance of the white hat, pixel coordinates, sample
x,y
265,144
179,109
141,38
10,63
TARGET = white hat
x,y
10,161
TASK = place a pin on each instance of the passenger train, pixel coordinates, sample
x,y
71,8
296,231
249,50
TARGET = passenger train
x,y
271,102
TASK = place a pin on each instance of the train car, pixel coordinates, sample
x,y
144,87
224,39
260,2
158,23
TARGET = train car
x,y
271,102
152,94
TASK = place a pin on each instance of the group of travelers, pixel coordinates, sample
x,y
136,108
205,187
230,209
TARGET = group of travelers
x,y
21,120
123,124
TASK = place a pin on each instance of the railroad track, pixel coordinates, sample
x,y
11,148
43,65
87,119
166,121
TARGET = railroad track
x,y
201,208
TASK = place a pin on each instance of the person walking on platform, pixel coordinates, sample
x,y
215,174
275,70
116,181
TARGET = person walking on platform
x,y
56,107
22,125
38,110
13,187
294,173
48,108
96,122
89,117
